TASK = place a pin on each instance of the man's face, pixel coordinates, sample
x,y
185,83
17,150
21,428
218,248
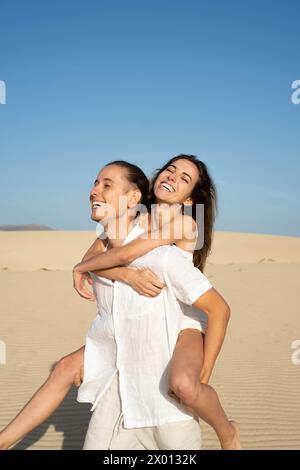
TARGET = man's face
x,y
108,196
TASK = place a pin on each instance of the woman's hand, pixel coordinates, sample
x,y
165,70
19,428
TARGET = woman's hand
x,y
144,282
79,280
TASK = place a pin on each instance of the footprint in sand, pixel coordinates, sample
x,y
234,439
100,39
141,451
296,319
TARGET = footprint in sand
x,y
263,260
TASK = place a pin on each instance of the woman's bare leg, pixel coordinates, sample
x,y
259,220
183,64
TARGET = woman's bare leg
x,y
202,399
44,402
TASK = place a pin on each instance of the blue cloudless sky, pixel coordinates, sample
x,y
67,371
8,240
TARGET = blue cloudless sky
x,y
89,82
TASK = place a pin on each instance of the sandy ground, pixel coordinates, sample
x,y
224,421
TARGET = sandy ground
x,y
43,319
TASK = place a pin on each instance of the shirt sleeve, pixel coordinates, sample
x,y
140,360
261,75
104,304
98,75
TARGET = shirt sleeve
x,y
187,282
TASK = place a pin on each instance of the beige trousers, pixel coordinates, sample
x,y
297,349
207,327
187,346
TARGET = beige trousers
x,y
106,429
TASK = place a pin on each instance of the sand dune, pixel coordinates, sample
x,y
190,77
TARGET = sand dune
x,y
18,228
234,247
42,319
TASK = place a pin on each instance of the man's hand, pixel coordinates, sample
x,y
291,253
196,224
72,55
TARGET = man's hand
x,y
79,285
144,282
78,379
205,376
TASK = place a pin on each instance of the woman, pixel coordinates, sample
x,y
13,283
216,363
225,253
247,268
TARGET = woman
x,y
189,183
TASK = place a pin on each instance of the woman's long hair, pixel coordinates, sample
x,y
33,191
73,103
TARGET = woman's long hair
x,y
204,192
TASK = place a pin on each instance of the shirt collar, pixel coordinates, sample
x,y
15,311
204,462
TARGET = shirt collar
x,y
134,232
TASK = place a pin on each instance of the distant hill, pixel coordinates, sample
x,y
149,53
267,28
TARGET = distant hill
x,y
17,228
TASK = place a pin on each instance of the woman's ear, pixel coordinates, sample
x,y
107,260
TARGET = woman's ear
x,y
134,198
188,202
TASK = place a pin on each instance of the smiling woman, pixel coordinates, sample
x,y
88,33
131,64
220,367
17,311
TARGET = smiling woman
x,y
186,180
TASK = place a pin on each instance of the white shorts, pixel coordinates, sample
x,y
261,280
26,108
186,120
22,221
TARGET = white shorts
x,y
193,318
106,429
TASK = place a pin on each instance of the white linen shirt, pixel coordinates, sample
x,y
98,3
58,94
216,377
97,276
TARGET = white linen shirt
x,y
136,335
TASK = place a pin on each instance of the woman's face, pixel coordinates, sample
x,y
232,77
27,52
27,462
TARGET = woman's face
x,y
108,197
175,184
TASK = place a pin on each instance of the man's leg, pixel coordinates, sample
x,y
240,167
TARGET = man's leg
x,y
179,435
106,430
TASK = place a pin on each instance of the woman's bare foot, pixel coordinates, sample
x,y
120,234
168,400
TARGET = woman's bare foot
x,y
233,442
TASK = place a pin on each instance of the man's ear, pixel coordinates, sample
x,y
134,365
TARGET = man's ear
x,y
188,202
134,198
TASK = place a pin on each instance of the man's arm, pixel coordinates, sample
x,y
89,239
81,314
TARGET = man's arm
x,y
97,247
218,313
79,280
114,274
